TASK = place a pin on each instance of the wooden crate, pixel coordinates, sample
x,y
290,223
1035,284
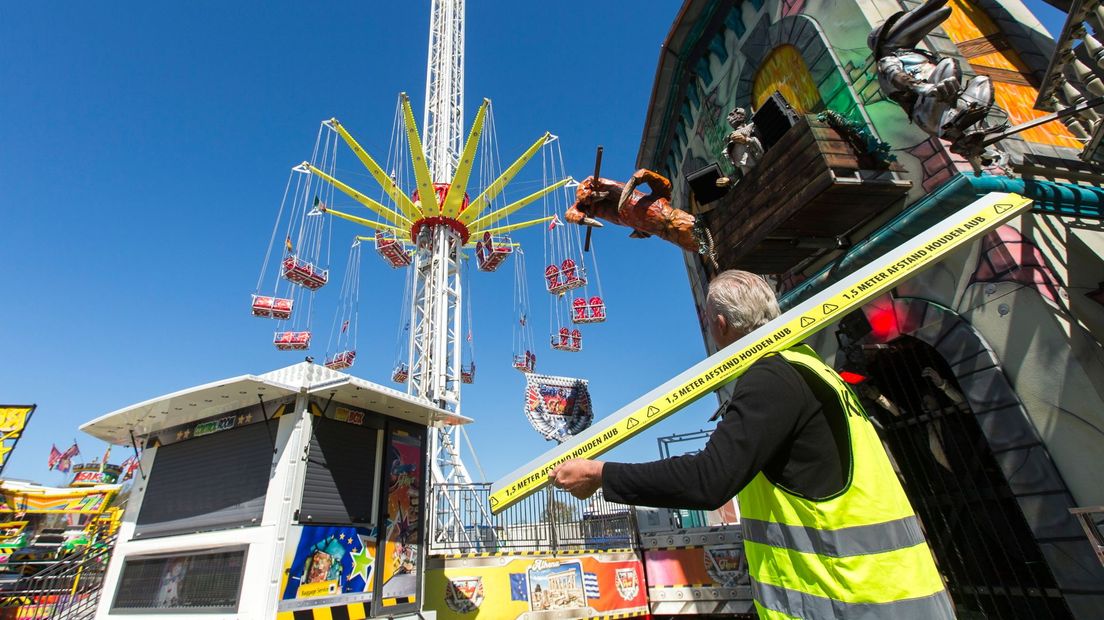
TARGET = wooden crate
x,y
809,188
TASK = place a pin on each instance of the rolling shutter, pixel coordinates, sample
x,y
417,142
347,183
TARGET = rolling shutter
x,y
209,483
341,474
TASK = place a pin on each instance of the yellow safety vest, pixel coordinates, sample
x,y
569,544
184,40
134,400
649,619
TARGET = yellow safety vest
x,y
858,554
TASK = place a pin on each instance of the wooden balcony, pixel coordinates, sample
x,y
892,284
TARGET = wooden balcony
x,y
810,189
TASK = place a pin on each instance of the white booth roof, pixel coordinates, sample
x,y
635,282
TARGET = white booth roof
x,y
212,399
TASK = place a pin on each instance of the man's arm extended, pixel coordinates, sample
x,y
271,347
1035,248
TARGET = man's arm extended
x,y
761,418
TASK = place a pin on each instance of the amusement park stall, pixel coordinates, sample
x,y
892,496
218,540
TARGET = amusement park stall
x,y
296,493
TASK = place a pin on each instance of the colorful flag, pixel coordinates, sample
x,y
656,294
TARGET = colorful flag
x,y
55,456
129,466
345,326
590,585
287,245
65,462
106,456
519,587
555,221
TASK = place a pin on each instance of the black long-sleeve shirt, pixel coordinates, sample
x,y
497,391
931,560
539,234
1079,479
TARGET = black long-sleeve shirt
x,y
774,423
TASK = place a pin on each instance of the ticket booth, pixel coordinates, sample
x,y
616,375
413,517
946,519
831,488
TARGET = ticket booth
x,y
294,494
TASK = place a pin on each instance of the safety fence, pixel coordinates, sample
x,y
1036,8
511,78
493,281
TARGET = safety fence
x,y
552,520
67,589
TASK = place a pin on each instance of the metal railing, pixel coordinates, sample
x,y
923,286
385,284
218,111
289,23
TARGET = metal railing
x,y
551,520
1092,521
68,589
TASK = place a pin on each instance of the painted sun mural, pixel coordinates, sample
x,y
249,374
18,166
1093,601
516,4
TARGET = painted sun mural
x,y
785,71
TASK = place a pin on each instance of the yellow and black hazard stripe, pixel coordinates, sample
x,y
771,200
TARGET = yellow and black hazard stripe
x,y
801,322
352,611
544,553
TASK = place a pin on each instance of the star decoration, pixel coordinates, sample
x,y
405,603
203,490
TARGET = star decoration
x,y
362,564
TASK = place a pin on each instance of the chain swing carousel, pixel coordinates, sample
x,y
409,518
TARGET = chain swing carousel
x,y
567,269
300,266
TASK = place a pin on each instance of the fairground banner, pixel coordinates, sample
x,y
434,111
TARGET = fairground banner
x,y
557,407
509,587
54,500
13,419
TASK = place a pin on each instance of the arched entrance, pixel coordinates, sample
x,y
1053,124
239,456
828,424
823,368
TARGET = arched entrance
x,y
994,507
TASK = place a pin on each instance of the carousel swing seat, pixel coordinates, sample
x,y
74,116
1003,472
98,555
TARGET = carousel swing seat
x,y
526,362
271,307
567,340
565,277
491,251
467,373
304,273
292,341
388,246
400,374
341,360
588,311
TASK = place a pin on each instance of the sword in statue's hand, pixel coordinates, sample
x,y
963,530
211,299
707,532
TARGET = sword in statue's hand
x,y
597,170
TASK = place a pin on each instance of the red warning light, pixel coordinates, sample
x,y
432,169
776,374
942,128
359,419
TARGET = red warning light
x,y
852,377
883,322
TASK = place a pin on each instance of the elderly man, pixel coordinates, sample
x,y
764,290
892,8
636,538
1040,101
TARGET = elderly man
x,y
828,530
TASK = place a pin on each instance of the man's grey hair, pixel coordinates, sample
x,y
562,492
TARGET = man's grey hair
x,y
744,299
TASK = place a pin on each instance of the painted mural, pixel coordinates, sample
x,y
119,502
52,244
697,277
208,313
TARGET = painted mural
x,y
816,56
328,565
402,530
510,587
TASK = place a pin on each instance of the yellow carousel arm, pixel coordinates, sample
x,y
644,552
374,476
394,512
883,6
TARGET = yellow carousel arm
x,y
455,196
491,218
510,227
379,209
472,212
426,195
366,222
406,205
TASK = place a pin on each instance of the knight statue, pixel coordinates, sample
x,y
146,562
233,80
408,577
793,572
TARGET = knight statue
x,y
928,87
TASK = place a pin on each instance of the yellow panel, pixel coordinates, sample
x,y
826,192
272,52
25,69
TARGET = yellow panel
x,y
968,22
1000,60
357,611
785,71
1019,101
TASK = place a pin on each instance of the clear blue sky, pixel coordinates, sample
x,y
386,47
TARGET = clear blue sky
x,y
145,148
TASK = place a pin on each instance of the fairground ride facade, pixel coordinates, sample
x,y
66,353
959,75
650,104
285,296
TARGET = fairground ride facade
x,y
984,370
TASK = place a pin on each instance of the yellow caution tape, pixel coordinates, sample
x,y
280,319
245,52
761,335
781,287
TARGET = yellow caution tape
x,y
922,251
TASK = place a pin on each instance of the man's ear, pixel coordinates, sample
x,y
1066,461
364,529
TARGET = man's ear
x,y
722,323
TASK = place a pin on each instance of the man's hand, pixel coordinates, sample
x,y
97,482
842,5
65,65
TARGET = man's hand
x,y
579,477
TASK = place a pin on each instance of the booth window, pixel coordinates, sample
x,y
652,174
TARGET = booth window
x,y
208,483
341,474
204,582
